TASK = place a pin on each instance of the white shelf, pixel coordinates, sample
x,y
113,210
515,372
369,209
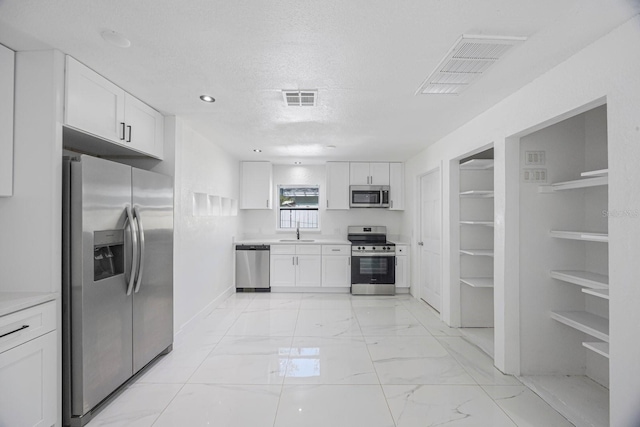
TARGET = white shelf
x,y
595,181
580,235
485,223
600,172
584,321
600,293
602,348
477,252
477,164
477,193
478,282
582,278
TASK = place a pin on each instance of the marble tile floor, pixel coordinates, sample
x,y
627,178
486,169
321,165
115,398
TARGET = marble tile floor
x,y
305,360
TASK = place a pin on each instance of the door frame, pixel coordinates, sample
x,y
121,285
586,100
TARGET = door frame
x,y
418,192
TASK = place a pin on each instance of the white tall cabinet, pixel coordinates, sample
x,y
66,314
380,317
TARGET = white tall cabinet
x,y
7,69
256,185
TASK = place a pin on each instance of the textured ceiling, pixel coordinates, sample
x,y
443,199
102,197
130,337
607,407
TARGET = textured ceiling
x,y
366,58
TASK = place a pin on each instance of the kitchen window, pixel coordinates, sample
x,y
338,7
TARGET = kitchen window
x,y
298,207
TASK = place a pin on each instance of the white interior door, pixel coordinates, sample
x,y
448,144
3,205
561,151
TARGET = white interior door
x,y
429,243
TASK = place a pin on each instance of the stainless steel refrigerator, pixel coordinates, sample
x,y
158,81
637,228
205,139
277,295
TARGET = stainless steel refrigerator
x,y
117,278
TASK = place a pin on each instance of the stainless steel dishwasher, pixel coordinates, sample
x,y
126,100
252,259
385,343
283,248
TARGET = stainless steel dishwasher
x,y
252,268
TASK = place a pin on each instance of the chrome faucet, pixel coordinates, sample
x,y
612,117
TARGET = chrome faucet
x,y
298,230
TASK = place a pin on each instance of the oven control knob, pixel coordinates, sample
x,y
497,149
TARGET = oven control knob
x,y
359,248
388,248
373,248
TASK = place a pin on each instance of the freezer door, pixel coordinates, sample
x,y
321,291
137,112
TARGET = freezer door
x,y
153,291
100,311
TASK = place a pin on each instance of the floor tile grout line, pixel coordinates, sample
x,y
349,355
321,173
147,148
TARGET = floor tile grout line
x,y
168,404
498,405
275,416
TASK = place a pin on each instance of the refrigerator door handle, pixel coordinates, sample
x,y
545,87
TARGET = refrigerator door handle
x,y
129,222
141,263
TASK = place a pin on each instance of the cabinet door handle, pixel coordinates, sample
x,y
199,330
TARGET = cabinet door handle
x,y
293,260
327,203
267,203
396,261
297,263
391,204
123,133
129,139
13,332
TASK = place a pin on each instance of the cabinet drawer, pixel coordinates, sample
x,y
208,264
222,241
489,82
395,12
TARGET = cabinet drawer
x,y
283,249
26,324
308,250
402,249
336,249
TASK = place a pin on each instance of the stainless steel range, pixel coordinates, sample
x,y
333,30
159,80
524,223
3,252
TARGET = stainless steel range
x,y
373,261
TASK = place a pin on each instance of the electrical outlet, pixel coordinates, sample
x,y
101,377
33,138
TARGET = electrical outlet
x,y
534,157
534,176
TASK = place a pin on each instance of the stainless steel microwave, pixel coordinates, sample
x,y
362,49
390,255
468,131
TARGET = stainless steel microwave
x,y
369,196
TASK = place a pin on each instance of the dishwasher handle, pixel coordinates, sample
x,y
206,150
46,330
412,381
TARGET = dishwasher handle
x,y
253,247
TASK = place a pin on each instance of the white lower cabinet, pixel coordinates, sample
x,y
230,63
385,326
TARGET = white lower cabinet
x,y
295,265
308,270
336,266
402,266
28,368
282,270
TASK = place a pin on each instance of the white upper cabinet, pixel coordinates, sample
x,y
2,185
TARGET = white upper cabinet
x,y
144,127
7,70
369,173
396,186
337,185
95,105
256,182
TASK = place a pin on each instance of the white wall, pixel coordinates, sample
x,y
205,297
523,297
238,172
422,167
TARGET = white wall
x,y
609,68
203,245
332,222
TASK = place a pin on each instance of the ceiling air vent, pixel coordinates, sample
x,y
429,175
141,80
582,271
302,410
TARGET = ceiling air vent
x,y
468,59
300,98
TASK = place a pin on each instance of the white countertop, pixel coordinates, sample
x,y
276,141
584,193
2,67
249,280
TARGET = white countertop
x,y
11,302
303,241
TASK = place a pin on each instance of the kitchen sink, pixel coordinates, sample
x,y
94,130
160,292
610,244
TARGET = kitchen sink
x,y
296,240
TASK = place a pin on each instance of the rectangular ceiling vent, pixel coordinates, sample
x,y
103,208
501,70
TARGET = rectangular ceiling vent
x,y
468,59
300,98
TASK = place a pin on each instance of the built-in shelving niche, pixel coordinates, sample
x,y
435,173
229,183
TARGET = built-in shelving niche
x,y
208,205
476,224
564,282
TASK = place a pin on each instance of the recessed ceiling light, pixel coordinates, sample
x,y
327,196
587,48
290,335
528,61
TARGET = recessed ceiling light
x,y
330,147
297,163
257,150
207,98
115,39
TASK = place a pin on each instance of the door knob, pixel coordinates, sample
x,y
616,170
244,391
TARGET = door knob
x,y
420,244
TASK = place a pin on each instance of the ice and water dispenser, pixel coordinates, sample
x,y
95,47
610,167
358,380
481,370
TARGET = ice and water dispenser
x,y
108,254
